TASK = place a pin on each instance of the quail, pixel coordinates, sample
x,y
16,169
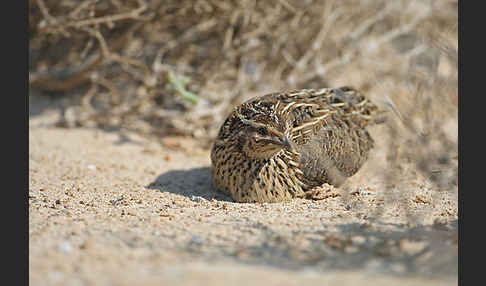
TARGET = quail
x,y
280,146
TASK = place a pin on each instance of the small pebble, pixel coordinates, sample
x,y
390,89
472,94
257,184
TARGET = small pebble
x,y
54,276
197,199
197,240
364,191
66,248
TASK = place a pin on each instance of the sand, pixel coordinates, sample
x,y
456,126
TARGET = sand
x,y
114,208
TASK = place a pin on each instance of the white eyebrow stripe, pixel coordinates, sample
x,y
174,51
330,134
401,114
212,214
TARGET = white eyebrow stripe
x,y
270,129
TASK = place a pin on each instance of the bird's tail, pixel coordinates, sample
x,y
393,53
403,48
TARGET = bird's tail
x,y
358,107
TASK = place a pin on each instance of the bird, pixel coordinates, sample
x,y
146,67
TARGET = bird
x,y
283,145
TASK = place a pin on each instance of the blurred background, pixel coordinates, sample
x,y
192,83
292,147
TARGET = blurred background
x,y
176,68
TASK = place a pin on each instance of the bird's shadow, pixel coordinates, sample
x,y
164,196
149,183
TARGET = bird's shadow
x,y
191,183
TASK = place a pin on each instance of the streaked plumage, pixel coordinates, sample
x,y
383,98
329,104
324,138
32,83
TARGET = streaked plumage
x,y
279,146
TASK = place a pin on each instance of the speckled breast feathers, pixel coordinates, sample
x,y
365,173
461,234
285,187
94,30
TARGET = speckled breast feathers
x,y
277,146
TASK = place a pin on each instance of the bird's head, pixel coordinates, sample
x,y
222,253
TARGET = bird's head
x,y
263,136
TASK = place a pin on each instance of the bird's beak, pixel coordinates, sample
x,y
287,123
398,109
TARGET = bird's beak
x,y
287,143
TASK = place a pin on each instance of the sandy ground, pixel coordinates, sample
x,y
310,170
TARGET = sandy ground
x,y
109,208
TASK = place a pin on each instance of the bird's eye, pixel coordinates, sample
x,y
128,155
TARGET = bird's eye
x,y
262,131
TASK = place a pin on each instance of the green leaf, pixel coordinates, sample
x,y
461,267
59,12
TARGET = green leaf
x,y
179,85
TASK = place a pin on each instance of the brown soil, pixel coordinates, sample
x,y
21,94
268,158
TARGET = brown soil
x,y
113,208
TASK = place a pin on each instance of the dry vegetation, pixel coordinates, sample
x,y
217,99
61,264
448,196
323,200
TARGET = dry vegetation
x,y
177,67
